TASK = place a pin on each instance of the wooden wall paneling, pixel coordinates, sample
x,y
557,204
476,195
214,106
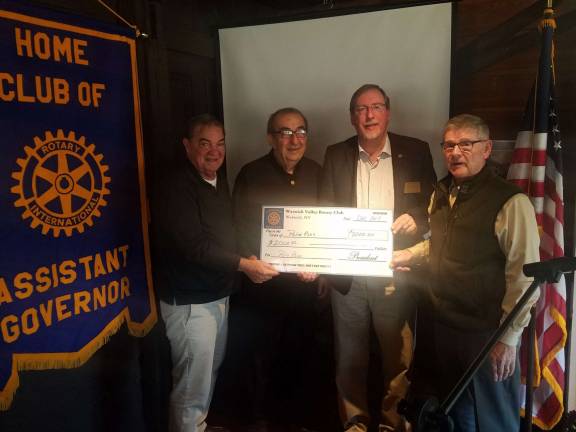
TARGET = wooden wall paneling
x,y
497,93
192,81
566,93
487,47
155,91
193,84
480,17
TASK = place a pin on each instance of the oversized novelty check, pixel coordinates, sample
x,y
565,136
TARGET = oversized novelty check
x,y
329,240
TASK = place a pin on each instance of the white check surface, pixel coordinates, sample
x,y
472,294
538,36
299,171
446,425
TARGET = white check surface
x,y
327,240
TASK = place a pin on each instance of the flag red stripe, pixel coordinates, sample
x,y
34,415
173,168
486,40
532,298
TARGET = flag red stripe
x,y
539,222
550,189
544,255
551,338
542,169
537,189
556,370
555,299
548,409
549,225
539,158
522,155
521,183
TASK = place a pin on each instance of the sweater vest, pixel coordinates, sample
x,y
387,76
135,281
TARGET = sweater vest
x,y
466,262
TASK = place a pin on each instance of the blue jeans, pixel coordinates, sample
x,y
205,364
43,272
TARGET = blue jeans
x,y
463,413
488,406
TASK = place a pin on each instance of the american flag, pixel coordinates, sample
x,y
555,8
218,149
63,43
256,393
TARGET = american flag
x,y
536,166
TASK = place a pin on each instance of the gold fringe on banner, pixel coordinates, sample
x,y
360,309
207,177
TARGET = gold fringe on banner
x,y
42,361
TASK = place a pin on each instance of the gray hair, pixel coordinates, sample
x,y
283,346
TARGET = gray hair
x,y
469,121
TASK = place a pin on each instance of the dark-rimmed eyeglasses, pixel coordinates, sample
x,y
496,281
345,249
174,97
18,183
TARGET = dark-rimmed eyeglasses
x,y
377,107
288,133
465,146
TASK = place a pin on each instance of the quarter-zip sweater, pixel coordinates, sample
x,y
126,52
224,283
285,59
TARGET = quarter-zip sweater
x,y
466,260
194,239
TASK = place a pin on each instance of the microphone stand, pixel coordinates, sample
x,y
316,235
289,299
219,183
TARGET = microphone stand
x,y
431,416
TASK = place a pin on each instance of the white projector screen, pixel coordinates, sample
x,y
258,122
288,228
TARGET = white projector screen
x,y
315,65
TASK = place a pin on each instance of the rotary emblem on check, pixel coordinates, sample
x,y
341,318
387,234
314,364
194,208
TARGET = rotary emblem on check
x,y
61,183
274,218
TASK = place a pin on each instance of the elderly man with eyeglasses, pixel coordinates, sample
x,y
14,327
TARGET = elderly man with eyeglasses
x,y
279,315
380,170
483,230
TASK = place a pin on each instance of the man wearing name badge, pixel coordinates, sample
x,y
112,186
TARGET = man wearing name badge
x,y
196,268
282,310
380,170
483,230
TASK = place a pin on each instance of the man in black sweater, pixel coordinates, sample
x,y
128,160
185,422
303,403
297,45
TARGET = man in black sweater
x,y
282,310
196,270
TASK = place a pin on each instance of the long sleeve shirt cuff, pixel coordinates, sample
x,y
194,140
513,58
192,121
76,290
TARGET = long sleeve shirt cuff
x,y
420,252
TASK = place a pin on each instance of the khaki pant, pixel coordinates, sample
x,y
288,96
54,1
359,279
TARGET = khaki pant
x,y
197,335
371,302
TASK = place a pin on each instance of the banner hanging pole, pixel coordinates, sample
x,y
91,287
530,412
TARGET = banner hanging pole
x,y
133,26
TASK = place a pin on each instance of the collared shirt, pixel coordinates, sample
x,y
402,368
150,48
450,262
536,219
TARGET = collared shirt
x,y
518,239
375,180
374,190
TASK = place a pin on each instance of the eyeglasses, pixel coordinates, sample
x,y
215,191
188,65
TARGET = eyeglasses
x,y
288,133
465,146
377,107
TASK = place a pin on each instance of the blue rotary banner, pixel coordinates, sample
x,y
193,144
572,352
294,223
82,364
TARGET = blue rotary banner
x,y
74,262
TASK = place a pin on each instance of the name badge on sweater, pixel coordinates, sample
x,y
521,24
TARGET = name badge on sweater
x,y
412,187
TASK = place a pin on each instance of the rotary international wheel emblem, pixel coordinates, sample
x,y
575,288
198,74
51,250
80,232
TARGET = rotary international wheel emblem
x,y
61,183
274,218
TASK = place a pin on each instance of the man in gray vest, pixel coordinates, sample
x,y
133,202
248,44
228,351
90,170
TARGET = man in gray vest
x,y
483,230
